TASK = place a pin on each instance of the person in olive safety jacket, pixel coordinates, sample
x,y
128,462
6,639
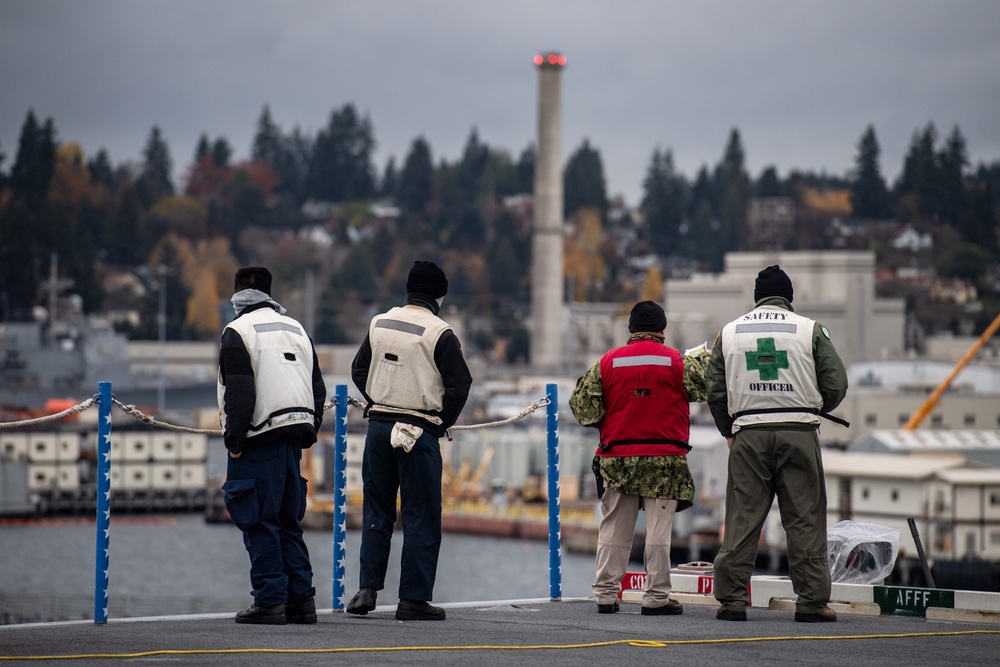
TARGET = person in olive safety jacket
x,y
271,395
773,373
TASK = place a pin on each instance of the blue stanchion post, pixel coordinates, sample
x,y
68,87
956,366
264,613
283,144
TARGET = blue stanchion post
x,y
103,540
340,497
555,528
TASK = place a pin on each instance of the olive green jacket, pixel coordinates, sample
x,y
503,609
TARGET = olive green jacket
x,y
830,376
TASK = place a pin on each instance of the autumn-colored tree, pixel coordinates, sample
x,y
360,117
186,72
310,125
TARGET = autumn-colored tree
x,y
652,287
582,260
183,216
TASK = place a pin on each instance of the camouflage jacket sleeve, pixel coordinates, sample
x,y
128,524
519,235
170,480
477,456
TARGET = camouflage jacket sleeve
x,y
830,373
695,366
718,397
587,399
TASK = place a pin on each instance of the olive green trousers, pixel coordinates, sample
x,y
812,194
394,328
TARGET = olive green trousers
x,y
764,464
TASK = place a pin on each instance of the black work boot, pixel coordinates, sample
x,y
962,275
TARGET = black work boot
x,y
302,612
362,602
263,615
418,610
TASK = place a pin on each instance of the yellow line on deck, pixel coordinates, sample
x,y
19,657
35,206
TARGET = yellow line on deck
x,y
638,643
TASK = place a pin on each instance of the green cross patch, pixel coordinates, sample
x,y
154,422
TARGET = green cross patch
x,y
767,360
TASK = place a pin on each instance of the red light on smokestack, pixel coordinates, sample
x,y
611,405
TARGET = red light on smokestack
x,y
550,60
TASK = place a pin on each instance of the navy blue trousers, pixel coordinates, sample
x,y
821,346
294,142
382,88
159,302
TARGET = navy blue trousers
x,y
416,475
266,498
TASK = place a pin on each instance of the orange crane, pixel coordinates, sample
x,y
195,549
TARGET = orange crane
x,y
932,400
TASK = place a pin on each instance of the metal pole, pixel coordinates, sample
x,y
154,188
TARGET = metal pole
x,y
102,541
555,530
161,321
310,307
928,577
339,497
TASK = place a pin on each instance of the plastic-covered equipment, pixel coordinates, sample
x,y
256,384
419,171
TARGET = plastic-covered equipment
x,y
861,553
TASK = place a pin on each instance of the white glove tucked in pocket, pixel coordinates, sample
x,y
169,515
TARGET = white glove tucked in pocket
x,y
405,435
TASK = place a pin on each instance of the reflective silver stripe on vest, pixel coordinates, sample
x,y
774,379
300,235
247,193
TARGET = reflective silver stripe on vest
x,y
642,360
399,325
276,326
766,327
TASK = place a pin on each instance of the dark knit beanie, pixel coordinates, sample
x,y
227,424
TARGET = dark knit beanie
x,y
253,277
647,316
427,278
772,281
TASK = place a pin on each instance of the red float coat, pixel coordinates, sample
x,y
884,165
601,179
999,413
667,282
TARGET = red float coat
x,y
647,410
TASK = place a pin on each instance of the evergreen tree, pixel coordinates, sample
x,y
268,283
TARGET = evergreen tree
x,y
662,203
869,195
990,175
526,170
101,171
287,156
501,178
463,216
979,220
34,165
267,142
472,167
128,241
203,150
222,152
584,184
769,184
389,186
341,167
416,182
732,186
918,182
155,183
23,254
953,160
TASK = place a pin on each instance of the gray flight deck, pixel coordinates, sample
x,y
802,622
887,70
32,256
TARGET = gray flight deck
x,y
518,632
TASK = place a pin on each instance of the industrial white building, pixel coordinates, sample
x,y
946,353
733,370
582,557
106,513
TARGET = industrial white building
x,y
836,288
956,505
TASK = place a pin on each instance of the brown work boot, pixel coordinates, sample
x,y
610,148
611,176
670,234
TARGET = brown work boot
x,y
672,608
823,615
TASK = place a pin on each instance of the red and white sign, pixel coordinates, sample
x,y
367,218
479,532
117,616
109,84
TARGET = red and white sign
x,y
633,581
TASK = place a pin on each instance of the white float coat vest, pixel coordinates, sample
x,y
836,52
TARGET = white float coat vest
x,y
281,356
770,367
403,377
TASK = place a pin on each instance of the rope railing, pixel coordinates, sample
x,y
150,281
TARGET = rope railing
x,y
80,407
538,403
105,400
135,412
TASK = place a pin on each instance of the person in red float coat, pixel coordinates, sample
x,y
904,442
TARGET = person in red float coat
x,y
638,396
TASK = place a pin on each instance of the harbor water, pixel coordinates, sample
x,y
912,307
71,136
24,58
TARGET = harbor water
x,y
179,564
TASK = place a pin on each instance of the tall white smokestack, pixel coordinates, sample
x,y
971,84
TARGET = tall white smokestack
x,y
548,322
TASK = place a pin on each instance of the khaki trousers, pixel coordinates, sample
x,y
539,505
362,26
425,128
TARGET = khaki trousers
x,y
614,544
764,464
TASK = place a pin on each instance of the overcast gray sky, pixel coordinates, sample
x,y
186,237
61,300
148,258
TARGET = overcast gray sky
x,y
800,79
